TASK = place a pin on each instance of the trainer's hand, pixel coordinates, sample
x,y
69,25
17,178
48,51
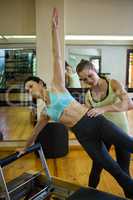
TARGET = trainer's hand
x,y
95,112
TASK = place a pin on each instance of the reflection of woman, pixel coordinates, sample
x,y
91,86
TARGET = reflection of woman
x,y
91,132
106,97
71,77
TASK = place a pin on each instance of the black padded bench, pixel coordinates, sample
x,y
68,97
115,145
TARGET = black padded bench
x,y
92,194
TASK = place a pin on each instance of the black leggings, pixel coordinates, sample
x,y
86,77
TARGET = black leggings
x,y
123,159
92,133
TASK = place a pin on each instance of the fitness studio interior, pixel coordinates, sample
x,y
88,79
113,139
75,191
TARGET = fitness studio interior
x,y
56,166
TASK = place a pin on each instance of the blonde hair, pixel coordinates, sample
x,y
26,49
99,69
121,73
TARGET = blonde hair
x,y
85,64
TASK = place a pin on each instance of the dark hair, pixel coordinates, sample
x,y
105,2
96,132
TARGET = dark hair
x,y
36,79
66,64
84,64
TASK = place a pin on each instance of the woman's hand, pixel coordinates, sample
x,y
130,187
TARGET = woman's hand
x,y
21,151
55,18
95,112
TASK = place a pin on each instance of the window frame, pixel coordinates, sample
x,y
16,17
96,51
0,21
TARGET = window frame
x,y
127,70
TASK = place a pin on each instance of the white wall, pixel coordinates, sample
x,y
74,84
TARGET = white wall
x,y
113,59
99,17
17,17
102,17
44,11
81,17
114,62
44,46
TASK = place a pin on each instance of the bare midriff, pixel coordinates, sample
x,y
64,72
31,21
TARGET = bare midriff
x,y
73,113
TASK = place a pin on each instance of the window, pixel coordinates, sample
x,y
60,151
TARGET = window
x,y
129,75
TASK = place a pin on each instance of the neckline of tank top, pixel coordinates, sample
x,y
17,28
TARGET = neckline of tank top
x,y
107,92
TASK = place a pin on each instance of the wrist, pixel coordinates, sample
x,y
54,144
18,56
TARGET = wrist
x,y
105,109
55,28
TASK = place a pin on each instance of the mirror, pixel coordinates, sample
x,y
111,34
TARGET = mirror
x,y
16,64
109,59
74,54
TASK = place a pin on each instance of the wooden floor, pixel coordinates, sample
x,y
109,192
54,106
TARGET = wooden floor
x,y
74,167
15,123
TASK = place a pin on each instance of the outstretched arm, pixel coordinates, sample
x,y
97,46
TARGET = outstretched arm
x,y
42,122
58,67
39,126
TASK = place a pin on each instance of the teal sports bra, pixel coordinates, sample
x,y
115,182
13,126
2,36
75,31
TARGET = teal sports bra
x,y
58,102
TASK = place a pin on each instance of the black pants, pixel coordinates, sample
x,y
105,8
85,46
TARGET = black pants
x,y
92,133
122,157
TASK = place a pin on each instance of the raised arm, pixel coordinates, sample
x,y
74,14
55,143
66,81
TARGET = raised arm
x,y
58,66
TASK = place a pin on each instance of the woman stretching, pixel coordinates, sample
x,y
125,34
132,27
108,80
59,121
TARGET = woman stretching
x,y
63,108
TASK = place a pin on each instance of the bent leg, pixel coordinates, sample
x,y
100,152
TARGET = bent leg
x,y
92,133
96,170
98,152
110,132
123,159
94,176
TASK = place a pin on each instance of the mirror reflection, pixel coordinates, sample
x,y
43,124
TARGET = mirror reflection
x,y
74,54
15,65
18,63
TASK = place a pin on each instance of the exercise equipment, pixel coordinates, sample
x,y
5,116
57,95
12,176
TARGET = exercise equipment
x,y
40,185
1,136
91,194
54,140
25,186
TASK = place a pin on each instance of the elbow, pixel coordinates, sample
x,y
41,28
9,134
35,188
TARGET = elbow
x,y
130,105
126,107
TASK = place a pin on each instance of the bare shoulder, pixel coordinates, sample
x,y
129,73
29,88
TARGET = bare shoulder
x,y
116,85
56,88
118,88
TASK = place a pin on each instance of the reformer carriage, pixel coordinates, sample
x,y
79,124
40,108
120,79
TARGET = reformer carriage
x,y
40,185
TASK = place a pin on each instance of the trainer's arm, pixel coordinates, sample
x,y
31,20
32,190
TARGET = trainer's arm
x,y
124,104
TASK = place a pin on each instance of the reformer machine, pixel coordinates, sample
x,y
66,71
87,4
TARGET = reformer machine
x,y
31,185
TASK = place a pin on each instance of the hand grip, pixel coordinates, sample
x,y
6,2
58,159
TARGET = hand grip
x,y
7,160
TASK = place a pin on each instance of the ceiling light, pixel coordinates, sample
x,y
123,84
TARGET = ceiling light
x,y
97,37
19,36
